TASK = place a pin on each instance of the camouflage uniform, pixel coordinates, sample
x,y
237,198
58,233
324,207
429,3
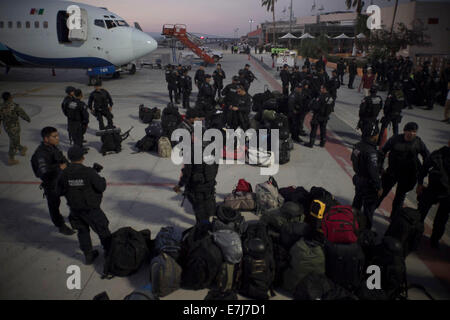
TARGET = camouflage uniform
x,y
9,114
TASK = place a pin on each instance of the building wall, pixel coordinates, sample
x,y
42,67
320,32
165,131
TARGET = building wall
x,y
307,20
338,17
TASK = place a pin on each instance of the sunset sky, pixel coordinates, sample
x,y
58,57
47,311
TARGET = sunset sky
x,y
214,17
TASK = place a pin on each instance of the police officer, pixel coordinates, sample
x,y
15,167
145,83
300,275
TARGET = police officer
x,y
172,82
249,76
199,77
67,99
367,180
186,88
10,113
77,117
333,84
437,168
321,107
243,80
340,70
199,181
316,82
352,72
237,115
285,79
296,78
47,163
100,103
298,108
432,85
409,90
206,91
369,109
179,73
392,109
83,188
218,76
404,164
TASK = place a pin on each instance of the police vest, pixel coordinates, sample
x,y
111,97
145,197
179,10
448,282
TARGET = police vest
x,y
371,107
73,111
80,194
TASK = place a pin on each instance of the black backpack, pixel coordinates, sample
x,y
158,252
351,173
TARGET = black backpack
x,y
281,123
146,115
170,120
147,143
292,232
344,264
129,249
111,142
258,264
228,218
316,286
407,227
285,152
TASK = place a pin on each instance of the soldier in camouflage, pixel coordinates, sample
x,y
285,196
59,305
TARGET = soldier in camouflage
x,y
9,115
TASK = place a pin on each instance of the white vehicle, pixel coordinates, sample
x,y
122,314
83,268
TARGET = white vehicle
x,y
49,34
287,57
215,54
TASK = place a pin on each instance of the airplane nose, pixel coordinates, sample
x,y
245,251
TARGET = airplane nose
x,y
143,44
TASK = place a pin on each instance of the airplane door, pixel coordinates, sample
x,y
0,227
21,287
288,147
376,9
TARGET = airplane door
x,y
81,19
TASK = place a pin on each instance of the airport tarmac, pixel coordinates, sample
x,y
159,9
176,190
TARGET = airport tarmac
x,y
35,257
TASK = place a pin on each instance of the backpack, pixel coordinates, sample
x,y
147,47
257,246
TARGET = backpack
x,y
203,261
339,225
165,275
344,264
295,194
320,202
276,218
170,120
258,264
146,144
226,283
306,256
164,147
285,152
316,286
269,115
267,196
407,227
244,201
230,244
146,115
281,122
292,232
111,141
167,241
128,251
227,218
154,129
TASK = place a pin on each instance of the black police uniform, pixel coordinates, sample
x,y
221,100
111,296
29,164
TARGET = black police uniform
x,y
98,102
179,74
45,163
186,89
321,107
218,76
240,118
230,94
200,181
315,83
369,110
199,77
285,79
244,82
340,68
172,81
298,109
403,169
78,118
67,99
352,72
437,168
249,76
206,92
83,188
367,181
333,85
296,78
392,111
409,90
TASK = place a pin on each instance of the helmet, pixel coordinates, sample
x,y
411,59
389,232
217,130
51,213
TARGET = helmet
x,y
374,89
70,89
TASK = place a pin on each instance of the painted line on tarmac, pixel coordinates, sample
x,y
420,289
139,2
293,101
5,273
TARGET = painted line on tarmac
x,y
436,261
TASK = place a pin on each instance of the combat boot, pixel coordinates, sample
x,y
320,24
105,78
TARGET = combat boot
x,y
24,151
12,161
90,257
65,230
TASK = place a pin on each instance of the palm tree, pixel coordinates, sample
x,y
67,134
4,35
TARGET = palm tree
x,y
393,18
270,6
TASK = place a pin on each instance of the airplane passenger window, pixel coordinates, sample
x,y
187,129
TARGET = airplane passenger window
x,y
10,24
45,24
36,24
99,23
110,24
122,23
27,24
19,24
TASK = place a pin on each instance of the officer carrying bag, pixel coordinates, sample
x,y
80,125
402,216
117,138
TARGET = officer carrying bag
x,y
128,251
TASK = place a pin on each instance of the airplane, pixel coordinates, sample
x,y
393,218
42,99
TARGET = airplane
x,y
55,34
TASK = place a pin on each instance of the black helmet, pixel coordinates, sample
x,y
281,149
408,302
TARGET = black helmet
x,y
235,78
241,72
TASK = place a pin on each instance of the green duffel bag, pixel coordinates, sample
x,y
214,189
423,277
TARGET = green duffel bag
x,y
306,256
269,115
288,213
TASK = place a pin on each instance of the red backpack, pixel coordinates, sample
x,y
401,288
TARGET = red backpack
x,y
243,186
339,225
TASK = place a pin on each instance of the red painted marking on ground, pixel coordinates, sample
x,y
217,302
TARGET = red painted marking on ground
x,y
438,262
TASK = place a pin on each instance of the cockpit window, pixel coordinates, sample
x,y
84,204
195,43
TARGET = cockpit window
x,y
113,17
121,23
99,23
110,24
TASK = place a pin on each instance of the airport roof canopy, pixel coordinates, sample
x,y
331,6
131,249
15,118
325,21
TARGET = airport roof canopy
x,y
306,36
343,36
288,36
